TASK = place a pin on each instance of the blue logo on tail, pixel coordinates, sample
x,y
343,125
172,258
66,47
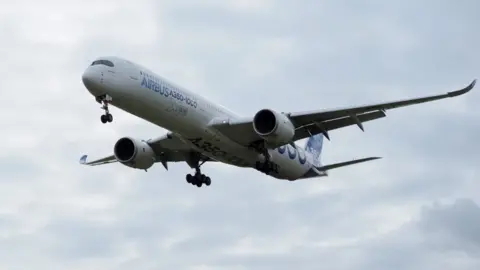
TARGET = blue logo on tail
x,y
314,147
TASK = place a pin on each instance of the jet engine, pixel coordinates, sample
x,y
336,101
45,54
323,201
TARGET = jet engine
x,y
134,153
275,128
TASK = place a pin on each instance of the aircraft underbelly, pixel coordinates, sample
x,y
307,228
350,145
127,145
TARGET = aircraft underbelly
x,y
221,149
224,150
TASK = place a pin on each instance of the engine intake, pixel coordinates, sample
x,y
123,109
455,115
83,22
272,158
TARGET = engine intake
x,y
276,128
265,122
134,153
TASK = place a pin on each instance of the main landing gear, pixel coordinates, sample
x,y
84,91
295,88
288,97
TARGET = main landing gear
x,y
267,166
198,179
105,99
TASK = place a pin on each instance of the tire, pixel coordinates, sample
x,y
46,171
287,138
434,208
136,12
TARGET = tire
x,y
208,181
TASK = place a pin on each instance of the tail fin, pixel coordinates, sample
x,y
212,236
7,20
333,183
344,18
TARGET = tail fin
x,y
314,146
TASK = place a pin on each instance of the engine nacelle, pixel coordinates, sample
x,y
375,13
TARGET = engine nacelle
x,y
276,128
134,153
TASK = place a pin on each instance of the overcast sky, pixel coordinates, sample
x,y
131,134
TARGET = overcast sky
x,y
417,208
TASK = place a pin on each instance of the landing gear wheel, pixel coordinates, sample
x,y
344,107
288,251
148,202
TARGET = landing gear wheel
x,y
106,118
263,167
208,181
198,179
266,167
189,178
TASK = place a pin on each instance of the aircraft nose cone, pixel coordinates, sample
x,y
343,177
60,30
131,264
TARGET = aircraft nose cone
x,y
88,78
92,82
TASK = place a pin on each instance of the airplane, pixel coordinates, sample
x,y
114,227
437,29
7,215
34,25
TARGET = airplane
x,y
200,131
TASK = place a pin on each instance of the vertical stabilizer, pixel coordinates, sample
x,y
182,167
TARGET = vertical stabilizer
x,y
314,146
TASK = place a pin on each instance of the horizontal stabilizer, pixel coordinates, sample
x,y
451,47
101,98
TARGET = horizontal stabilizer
x,y
346,163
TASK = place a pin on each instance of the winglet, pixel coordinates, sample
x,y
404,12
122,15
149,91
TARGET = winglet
x,y
83,159
105,160
464,90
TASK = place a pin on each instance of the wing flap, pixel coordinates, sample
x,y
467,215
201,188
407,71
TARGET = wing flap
x,y
323,127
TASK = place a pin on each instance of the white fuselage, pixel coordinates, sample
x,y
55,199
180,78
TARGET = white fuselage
x,y
139,91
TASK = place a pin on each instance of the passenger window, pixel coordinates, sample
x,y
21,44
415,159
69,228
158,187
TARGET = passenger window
x,y
102,62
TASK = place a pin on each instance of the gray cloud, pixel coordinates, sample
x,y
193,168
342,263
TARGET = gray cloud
x,y
415,209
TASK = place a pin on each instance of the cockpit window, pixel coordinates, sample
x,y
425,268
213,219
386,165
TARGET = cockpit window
x,y
102,62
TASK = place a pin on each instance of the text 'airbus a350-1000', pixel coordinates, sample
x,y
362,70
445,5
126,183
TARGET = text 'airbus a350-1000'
x,y
201,131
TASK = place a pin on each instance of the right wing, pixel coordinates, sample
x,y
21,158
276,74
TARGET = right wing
x,y
311,123
354,114
168,148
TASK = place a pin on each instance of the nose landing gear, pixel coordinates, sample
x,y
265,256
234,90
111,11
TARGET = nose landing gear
x,y
104,100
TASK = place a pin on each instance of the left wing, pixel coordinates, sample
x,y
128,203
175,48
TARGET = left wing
x,y
314,122
168,148
101,161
